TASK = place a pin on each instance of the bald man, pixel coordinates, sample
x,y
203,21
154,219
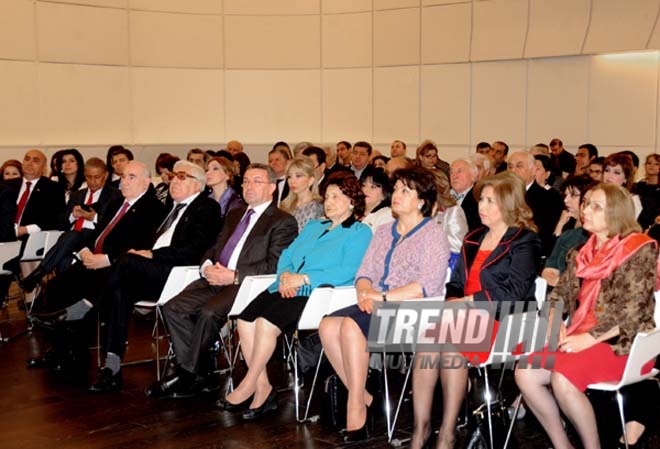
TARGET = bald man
x,y
234,146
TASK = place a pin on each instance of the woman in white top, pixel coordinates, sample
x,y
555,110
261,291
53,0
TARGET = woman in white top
x,y
450,216
377,189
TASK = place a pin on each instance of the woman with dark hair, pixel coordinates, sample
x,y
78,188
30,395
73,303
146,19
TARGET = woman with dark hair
x,y
53,165
241,163
607,291
499,262
70,168
569,231
427,156
11,169
407,260
618,169
327,251
219,177
164,168
379,161
543,171
377,189
648,190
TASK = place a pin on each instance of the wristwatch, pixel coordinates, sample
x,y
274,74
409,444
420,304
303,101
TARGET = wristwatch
x,y
384,296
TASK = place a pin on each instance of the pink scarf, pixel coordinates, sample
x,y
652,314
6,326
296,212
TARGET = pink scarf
x,y
594,265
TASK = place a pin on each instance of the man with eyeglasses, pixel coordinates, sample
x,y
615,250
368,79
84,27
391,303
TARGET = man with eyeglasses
x,y
250,243
188,230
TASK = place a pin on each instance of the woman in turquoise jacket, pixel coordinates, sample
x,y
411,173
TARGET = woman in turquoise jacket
x,y
327,252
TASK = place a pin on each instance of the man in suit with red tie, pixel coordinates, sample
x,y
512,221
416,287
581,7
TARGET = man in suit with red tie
x,y
187,232
250,243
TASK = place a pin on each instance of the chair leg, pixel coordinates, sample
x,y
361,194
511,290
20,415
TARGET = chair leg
x,y
517,402
489,397
311,392
390,431
619,400
403,393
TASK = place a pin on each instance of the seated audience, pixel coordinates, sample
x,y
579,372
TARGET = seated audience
x,y
499,263
377,189
379,162
450,216
397,148
397,163
596,169
184,235
427,156
116,160
613,275
164,168
484,164
405,260
542,173
197,156
234,147
563,162
11,169
483,148
618,169
360,157
586,153
463,176
499,153
648,190
278,160
302,202
70,172
327,252
220,178
250,243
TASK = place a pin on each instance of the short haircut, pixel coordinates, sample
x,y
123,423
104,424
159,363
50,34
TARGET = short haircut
x,y
96,162
114,151
483,145
527,154
506,147
626,163
598,161
349,186
633,156
165,160
593,151
272,179
403,144
283,149
192,169
581,183
423,182
472,167
545,161
510,195
316,151
485,161
619,210
197,151
554,142
363,144
345,143
224,153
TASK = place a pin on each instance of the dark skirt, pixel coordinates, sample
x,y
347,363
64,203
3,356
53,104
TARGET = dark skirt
x,y
362,319
284,313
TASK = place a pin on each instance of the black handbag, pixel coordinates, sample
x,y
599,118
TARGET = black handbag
x,y
309,350
335,398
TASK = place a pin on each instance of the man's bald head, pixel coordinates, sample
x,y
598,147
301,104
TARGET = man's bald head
x,y
34,164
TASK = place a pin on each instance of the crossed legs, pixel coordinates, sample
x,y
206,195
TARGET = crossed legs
x,y
546,405
345,347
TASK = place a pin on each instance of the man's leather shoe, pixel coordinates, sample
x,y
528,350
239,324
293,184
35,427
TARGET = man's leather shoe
x,y
162,388
107,382
31,280
224,404
269,405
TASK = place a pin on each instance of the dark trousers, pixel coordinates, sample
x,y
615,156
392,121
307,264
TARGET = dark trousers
x,y
135,278
60,256
74,284
194,318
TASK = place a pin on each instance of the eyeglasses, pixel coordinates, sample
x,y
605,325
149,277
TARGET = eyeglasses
x,y
247,182
180,175
594,206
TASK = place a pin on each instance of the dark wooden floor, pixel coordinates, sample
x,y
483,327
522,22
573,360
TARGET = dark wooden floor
x,y
43,410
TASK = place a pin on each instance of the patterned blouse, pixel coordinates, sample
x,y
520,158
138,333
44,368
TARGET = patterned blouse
x,y
307,212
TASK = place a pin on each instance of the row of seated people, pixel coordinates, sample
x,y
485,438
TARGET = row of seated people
x,y
414,199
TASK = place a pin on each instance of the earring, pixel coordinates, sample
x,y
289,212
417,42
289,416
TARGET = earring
x,y
350,207
419,206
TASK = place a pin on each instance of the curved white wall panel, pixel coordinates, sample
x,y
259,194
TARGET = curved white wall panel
x,y
19,124
396,37
556,27
346,40
396,104
189,6
268,7
340,6
347,104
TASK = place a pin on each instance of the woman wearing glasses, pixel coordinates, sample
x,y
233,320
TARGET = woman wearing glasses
x,y
607,290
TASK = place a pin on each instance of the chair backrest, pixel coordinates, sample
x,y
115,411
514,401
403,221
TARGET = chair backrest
x,y
178,279
645,347
35,246
250,288
541,287
8,251
656,312
51,240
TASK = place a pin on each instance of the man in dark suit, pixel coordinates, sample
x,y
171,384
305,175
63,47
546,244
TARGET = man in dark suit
x,y
463,176
187,232
250,243
85,209
546,204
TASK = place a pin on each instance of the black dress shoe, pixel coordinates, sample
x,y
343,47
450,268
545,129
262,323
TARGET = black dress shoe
x,y
162,388
107,382
224,404
269,405
30,281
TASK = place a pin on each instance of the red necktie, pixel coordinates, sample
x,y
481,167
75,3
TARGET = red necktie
x,y
98,247
23,201
79,222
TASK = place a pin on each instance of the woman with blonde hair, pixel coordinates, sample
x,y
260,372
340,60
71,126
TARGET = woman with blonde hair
x,y
302,202
499,262
607,290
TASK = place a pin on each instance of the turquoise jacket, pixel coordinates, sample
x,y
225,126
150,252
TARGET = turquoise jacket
x,y
327,257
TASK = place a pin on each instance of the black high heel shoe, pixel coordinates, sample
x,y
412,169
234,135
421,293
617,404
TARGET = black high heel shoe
x,y
361,434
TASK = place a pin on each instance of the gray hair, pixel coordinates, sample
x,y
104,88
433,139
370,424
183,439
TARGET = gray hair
x,y
474,170
528,155
485,160
192,169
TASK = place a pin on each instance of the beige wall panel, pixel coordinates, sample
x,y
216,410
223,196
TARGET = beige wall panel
x,y
275,42
623,97
17,30
82,34
446,103
177,105
498,102
620,25
393,4
654,40
446,33
499,29
347,105
263,7
556,27
396,37
19,118
190,6
557,100
267,106
396,104
108,3
339,6
176,40
347,40
443,2
84,104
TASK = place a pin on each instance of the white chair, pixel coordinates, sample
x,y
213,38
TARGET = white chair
x,y
177,280
37,245
645,347
8,251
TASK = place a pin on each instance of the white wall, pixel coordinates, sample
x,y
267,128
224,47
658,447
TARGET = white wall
x,y
171,74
